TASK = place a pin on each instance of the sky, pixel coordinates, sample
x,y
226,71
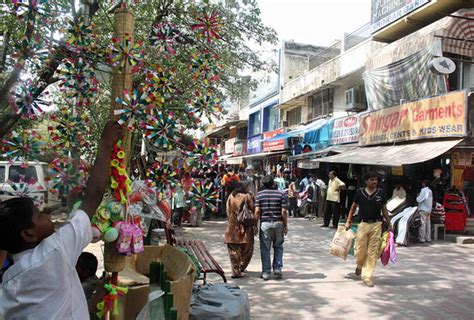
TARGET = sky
x,y
317,22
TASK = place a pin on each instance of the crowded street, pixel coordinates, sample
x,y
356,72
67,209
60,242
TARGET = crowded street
x,y
421,285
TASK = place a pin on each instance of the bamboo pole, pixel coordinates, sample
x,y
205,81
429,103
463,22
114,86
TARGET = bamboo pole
x,y
122,79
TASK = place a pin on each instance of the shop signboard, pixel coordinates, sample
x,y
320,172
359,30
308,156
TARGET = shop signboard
x,y
444,116
344,130
240,148
254,144
229,146
308,164
273,145
385,12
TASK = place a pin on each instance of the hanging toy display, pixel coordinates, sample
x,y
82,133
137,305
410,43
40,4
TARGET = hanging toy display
x,y
110,302
119,180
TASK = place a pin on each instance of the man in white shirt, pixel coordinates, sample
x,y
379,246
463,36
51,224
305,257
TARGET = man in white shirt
x,y
43,282
333,199
425,204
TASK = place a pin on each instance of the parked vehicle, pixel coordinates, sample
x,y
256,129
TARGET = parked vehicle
x,y
15,179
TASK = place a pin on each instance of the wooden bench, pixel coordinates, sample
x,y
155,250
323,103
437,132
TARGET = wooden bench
x,y
208,263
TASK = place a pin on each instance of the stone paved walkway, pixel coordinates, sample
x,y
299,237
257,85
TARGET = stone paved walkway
x,y
435,282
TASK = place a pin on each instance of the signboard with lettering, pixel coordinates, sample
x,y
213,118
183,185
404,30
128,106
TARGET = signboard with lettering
x,y
254,144
274,145
344,130
385,12
240,148
229,145
438,117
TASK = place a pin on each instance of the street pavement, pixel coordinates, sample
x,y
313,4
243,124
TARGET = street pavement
x,y
434,282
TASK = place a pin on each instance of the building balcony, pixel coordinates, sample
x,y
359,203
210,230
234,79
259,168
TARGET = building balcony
x,y
294,92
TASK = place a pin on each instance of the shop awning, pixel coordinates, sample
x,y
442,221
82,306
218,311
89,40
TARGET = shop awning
x,y
265,154
395,155
299,131
224,157
324,152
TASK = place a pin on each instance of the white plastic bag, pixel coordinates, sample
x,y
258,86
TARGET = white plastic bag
x,y
341,243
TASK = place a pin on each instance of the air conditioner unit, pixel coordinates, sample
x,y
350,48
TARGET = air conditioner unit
x,y
355,99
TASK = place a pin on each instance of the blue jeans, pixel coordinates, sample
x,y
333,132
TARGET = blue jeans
x,y
271,233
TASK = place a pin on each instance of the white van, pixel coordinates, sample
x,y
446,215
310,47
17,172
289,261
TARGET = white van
x,y
35,170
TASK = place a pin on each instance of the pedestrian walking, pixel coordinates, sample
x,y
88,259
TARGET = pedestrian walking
x,y
371,201
271,212
292,199
333,199
312,191
425,205
239,238
178,204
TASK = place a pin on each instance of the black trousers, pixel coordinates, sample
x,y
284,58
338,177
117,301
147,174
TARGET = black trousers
x,y
292,207
332,210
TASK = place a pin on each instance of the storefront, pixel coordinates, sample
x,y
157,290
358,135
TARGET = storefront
x,y
414,141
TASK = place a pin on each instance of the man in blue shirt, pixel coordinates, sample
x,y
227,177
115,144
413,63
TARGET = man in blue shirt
x,y
271,211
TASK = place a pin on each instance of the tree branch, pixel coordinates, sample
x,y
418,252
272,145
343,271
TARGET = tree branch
x,y
13,78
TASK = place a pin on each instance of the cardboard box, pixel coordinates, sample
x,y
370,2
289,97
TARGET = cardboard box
x,y
181,272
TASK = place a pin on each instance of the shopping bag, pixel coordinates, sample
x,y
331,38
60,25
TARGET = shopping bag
x,y
383,242
352,249
341,243
389,253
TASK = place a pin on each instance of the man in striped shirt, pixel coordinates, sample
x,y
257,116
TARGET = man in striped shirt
x,y
270,208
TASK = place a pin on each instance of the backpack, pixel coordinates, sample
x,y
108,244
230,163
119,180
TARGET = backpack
x,y
245,216
313,192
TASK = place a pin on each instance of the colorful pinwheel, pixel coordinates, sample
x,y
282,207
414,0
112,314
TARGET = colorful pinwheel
x,y
164,35
28,189
201,155
25,146
205,66
66,175
79,79
161,175
124,53
206,105
209,25
203,195
80,36
161,130
27,102
136,109
159,84
69,131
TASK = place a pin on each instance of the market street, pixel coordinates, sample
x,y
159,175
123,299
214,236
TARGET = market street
x,y
434,282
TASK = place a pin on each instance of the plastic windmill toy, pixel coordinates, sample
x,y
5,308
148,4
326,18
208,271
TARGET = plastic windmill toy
x,y
208,25
25,145
161,130
26,101
161,175
66,175
136,108
203,195
29,189
201,155
124,53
